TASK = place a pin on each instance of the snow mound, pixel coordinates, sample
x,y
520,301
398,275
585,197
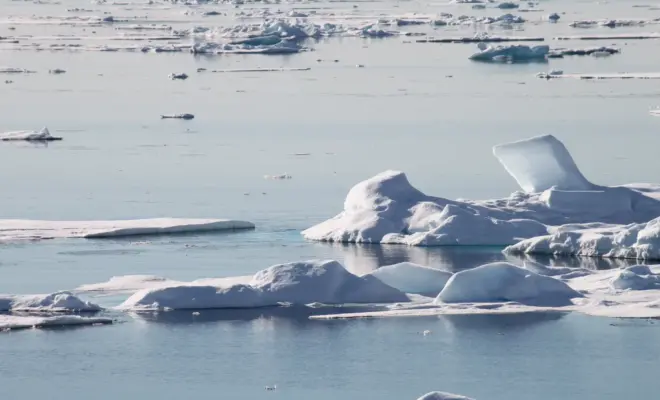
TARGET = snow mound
x,y
541,163
388,209
16,229
511,53
9,322
413,278
42,135
443,396
54,302
634,241
505,282
298,283
637,277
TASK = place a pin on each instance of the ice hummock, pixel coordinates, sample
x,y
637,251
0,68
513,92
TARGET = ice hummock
x,y
54,302
505,282
42,135
443,396
388,209
16,229
413,278
297,283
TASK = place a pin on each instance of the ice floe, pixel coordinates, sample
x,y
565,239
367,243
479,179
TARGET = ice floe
x,y
511,53
13,322
557,198
42,135
177,116
590,51
612,23
133,283
54,302
482,38
443,396
17,229
623,36
622,75
298,283
413,278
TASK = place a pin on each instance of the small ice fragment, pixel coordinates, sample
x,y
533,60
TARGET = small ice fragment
x,y
56,71
507,5
426,332
274,387
196,313
278,177
177,116
554,17
360,65
443,396
174,76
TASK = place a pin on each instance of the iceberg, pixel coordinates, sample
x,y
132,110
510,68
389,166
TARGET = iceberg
x,y
557,198
11,322
42,135
296,283
54,302
443,396
511,53
505,282
17,229
413,278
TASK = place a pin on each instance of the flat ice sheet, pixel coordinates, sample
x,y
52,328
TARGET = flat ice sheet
x,y
10,322
17,229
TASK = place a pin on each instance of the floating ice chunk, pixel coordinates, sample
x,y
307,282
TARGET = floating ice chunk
x,y
554,17
585,52
177,116
298,283
486,38
443,396
16,229
127,283
413,278
623,36
513,53
504,282
541,163
54,302
655,113
56,71
175,76
278,177
9,322
507,5
42,135
611,23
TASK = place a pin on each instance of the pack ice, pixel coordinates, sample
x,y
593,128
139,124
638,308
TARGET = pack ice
x,y
557,205
298,283
18,229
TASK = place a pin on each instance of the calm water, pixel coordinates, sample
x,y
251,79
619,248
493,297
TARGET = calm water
x,y
421,108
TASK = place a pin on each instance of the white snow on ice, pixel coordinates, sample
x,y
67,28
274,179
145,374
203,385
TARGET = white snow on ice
x,y
300,283
29,136
511,53
54,302
413,278
15,229
9,322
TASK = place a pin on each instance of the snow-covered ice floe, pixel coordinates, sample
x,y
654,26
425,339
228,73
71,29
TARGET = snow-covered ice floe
x,y
591,51
14,322
623,36
510,53
54,302
17,229
297,283
443,396
612,23
42,135
621,75
556,199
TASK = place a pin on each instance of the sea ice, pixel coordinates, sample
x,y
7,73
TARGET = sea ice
x,y
54,302
511,53
388,209
177,116
16,229
505,282
42,135
413,278
443,396
9,322
300,283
